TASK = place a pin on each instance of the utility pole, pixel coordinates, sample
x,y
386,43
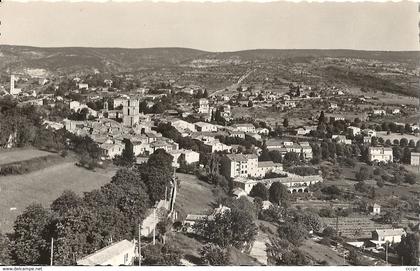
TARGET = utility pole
x,y
52,251
154,227
386,252
139,245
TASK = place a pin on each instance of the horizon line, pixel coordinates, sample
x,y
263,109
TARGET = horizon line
x,y
208,51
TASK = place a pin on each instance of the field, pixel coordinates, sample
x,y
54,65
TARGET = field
x,y
194,196
15,155
321,253
43,186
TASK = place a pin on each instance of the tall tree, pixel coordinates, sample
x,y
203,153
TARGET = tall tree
x,y
408,249
30,245
278,193
259,190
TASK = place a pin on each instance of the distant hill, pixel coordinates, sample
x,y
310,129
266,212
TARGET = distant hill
x,y
398,56
74,59
70,59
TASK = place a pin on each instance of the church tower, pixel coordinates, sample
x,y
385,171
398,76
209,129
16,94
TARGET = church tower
x,y
131,112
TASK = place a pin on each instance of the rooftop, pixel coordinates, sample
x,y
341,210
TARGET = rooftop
x,y
390,232
103,255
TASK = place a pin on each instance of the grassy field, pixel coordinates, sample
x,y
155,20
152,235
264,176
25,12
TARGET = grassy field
x,y
43,186
15,155
194,196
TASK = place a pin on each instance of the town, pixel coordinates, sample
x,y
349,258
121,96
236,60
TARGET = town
x,y
217,160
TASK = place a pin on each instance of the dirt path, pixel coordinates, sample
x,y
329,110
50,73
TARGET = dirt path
x,y
258,250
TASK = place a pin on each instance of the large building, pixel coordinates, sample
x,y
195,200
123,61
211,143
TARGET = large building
x,y
380,154
247,165
131,112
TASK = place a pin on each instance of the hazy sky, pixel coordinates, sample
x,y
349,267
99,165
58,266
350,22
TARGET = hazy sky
x,y
213,26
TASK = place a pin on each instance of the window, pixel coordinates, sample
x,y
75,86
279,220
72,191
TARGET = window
x,y
125,258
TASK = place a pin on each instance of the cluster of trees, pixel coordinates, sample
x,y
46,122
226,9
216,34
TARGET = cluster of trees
x,y
234,227
284,248
82,225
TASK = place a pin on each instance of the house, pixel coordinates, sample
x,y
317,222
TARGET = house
x,y
388,235
244,127
205,127
376,209
216,146
203,106
83,86
243,165
333,106
369,132
265,167
120,253
289,103
396,111
183,126
118,102
341,139
380,154
367,139
237,134
110,150
415,159
379,112
262,131
189,157
303,131
353,131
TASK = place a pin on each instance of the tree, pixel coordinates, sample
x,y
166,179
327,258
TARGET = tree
x,y
295,233
231,228
30,245
265,155
159,254
163,227
321,118
406,156
214,255
259,190
285,123
364,173
278,193
392,217
282,252
67,201
408,249
311,221
75,235
5,250
127,157
291,158
354,257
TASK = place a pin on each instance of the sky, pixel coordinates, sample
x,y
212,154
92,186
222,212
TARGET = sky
x,y
224,26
